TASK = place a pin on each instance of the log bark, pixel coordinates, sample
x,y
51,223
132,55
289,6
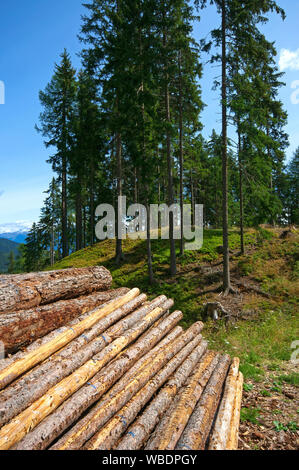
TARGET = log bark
x,y
221,428
14,370
53,334
232,442
24,291
140,431
25,326
33,385
170,432
199,425
40,409
153,377
72,409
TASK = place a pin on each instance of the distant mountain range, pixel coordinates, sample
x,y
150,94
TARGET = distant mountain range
x,y
6,246
18,237
16,232
11,235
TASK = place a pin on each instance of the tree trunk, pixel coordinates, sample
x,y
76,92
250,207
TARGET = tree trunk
x,y
192,199
52,245
149,246
241,193
84,226
65,250
181,155
169,173
78,216
119,254
226,269
23,291
92,211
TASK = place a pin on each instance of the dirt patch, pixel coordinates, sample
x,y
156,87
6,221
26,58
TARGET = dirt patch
x,y
277,408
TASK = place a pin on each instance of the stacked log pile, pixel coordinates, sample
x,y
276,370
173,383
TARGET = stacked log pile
x,y
108,370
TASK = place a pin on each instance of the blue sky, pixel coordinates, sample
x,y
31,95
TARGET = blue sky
x,y
32,35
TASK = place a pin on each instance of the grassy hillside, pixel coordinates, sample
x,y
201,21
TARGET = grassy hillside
x,y
264,314
6,246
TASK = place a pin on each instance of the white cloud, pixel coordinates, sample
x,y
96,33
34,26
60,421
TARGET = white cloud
x,y
21,226
289,59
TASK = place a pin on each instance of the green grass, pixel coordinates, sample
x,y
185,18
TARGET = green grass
x,y
265,393
292,378
250,414
247,387
264,339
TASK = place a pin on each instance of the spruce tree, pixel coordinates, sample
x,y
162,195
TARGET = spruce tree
x,y
56,125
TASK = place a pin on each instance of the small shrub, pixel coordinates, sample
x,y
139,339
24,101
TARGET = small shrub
x,y
247,387
250,414
279,426
292,426
265,393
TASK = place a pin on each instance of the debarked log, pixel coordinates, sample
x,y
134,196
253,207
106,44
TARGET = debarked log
x,y
221,428
53,426
16,429
23,291
84,429
173,424
116,398
14,370
152,378
33,385
232,442
25,326
141,429
196,432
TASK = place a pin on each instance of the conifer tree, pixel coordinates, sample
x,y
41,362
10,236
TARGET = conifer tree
x,y
11,263
56,123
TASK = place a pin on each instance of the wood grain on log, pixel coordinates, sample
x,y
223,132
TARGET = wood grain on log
x,y
32,416
220,432
108,406
81,432
33,385
170,432
32,358
141,429
199,425
232,442
53,334
25,326
79,402
23,291
108,436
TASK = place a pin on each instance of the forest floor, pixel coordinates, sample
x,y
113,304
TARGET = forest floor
x,y
263,325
